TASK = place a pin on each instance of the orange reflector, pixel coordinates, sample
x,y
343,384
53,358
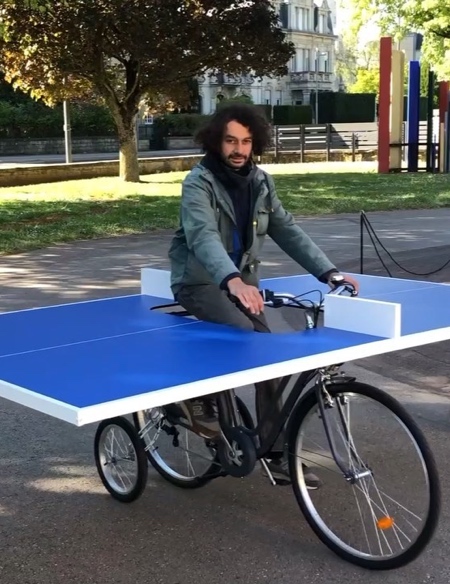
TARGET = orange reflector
x,y
385,522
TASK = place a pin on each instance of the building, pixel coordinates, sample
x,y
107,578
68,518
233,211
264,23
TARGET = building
x,y
310,26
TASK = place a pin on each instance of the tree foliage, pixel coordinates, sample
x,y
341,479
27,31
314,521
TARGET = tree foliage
x,y
398,18
357,63
367,81
122,51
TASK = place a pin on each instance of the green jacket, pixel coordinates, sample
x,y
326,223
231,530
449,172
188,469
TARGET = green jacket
x,y
203,246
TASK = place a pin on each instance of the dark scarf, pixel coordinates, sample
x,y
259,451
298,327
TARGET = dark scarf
x,y
239,185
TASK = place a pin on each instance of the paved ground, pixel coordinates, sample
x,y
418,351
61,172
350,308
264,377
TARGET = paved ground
x,y
58,525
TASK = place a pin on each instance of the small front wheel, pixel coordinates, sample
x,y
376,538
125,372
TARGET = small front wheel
x,y
120,459
380,507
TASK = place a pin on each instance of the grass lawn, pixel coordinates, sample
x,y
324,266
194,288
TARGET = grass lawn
x,y
36,216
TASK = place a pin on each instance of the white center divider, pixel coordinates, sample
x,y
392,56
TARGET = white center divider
x,y
362,315
156,283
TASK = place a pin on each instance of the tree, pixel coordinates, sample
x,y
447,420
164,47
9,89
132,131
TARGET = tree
x,y
367,81
397,18
124,51
357,63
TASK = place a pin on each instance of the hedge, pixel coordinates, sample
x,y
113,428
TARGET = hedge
x,y
36,120
284,115
341,108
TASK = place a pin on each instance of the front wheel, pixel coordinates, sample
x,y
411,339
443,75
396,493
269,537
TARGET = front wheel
x,y
383,510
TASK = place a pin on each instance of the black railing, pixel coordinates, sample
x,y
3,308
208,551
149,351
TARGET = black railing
x,y
354,138
325,137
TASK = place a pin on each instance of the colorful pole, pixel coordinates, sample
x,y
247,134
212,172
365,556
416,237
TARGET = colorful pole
x,y
443,106
396,114
413,116
431,159
384,104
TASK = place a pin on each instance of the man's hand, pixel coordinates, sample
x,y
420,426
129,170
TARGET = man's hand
x,y
249,296
348,279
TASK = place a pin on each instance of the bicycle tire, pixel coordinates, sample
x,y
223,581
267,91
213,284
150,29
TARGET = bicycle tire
x,y
197,481
302,410
141,461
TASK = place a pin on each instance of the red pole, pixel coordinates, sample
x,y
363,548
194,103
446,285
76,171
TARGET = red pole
x,y
443,100
443,107
384,104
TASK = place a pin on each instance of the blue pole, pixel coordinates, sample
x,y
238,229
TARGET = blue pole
x,y
413,116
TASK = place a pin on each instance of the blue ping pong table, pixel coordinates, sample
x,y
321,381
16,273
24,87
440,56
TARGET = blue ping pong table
x,y
89,361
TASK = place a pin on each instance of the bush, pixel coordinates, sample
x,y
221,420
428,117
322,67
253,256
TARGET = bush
x,y
34,119
92,120
180,125
237,99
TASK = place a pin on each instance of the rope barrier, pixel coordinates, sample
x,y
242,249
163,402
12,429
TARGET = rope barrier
x,y
366,224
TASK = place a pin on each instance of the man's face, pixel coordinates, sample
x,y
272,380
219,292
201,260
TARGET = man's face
x,y
236,145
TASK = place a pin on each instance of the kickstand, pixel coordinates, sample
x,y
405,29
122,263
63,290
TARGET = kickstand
x,y
267,471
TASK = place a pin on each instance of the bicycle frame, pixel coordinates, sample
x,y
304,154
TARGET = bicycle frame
x,y
229,412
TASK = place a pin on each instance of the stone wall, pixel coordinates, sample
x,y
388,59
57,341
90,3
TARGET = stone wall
x,y
11,146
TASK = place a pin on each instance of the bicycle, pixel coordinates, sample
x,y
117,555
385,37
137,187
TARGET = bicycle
x,y
324,400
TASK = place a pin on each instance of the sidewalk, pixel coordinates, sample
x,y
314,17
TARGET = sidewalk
x,y
109,267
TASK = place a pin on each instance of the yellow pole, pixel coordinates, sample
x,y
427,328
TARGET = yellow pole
x,y
397,97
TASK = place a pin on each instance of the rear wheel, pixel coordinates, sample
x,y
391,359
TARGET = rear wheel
x,y
180,455
384,510
120,459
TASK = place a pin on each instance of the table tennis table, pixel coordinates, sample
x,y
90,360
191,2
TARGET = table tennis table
x,y
88,361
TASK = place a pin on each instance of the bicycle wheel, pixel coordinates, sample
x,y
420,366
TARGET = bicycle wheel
x,y
179,455
384,513
120,459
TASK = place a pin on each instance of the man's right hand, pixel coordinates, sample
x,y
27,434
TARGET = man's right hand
x,y
249,296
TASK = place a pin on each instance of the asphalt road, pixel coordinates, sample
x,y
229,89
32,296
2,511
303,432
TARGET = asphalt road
x,y
58,524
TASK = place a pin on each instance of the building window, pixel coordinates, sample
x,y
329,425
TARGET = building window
x,y
279,97
306,60
294,61
284,15
301,60
268,97
322,62
302,19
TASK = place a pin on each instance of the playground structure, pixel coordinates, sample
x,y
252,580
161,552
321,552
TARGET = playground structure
x,y
391,142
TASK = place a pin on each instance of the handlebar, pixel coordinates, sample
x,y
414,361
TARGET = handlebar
x,y
278,299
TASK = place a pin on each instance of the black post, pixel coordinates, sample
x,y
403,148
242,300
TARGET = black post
x,y
302,143
361,243
353,147
276,143
430,121
328,141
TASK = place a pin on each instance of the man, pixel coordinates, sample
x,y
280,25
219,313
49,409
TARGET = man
x,y
228,206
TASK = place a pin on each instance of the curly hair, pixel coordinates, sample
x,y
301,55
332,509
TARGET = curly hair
x,y
211,135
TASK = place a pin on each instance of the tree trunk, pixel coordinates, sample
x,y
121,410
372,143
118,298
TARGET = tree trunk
x,y
128,158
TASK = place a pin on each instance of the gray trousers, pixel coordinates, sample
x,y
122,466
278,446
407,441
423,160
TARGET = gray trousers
x,y
210,303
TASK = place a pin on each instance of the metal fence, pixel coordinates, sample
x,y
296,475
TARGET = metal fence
x,y
330,137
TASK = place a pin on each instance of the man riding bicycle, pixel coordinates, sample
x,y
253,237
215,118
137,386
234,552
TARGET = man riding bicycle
x,y
228,206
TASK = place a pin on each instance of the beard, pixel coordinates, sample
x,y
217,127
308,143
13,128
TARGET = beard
x,y
234,159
